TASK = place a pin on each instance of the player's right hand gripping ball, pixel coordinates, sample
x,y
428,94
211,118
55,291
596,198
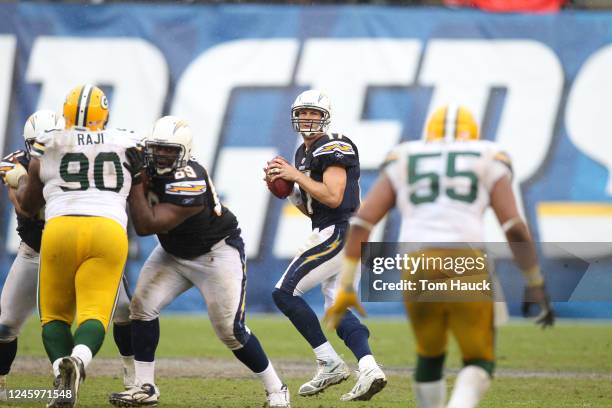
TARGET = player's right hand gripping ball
x,y
281,188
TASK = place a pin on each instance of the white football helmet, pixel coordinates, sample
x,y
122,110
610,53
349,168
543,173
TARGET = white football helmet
x,y
168,147
39,122
311,99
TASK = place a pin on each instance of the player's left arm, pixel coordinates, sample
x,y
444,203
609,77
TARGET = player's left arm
x,y
148,219
380,199
329,192
29,194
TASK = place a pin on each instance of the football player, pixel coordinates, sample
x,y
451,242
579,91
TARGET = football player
x,y
327,179
18,297
199,245
78,173
442,186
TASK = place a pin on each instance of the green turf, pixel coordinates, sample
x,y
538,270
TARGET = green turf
x,y
520,345
570,348
189,392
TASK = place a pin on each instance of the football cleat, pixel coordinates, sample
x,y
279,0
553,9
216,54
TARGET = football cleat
x,y
278,399
329,373
86,106
145,395
450,123
369,382
72,374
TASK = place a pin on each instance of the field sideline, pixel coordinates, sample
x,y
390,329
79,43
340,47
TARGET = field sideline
x,y
569,366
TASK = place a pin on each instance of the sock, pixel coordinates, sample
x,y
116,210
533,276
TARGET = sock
x,y
129,374
145,337
271,381
301,315
367,362
326,352
91,334
122,334
430,394
252,355
145,372
55,366
429,369
83,353
355,335
57,339
8,351
471,384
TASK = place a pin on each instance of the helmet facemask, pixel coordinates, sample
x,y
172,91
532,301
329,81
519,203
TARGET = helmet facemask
x,y
163,158
310,127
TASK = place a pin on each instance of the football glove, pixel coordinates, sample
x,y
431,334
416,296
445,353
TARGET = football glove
x,y
12,176
134,164
538,295
344,299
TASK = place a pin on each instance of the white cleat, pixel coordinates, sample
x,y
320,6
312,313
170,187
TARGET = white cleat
x,y
146,395
329,373
278,399
72,374
369,383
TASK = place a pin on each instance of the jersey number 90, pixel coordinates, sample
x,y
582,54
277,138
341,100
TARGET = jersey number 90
x,y
82,175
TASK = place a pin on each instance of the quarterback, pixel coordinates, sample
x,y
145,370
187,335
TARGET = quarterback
x,y
441,186
78,173
199,245
327,174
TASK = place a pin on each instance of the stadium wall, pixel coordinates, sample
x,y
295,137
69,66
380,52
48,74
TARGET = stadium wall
x,y
540,85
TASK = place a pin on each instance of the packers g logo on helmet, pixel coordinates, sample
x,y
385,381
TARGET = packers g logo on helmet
x,y
450,123
86,106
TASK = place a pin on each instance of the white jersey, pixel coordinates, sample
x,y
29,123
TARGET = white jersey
x,y
83,172
442,189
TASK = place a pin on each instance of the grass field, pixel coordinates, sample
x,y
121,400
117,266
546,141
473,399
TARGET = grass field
x,y
569,366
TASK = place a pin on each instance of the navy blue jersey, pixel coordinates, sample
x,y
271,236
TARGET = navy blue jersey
x,y
190,187
29,229
330,150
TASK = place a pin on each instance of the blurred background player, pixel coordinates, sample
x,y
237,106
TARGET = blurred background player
x,y
78,172
469,175
18,298
327,174
200,245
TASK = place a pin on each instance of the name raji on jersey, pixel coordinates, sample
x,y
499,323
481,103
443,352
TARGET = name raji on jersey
x,y
84,139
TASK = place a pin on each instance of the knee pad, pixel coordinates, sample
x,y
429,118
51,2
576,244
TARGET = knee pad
x,y
140,311
7,333
350,325
229,336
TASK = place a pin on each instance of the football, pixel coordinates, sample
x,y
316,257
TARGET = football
x,y
280,188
